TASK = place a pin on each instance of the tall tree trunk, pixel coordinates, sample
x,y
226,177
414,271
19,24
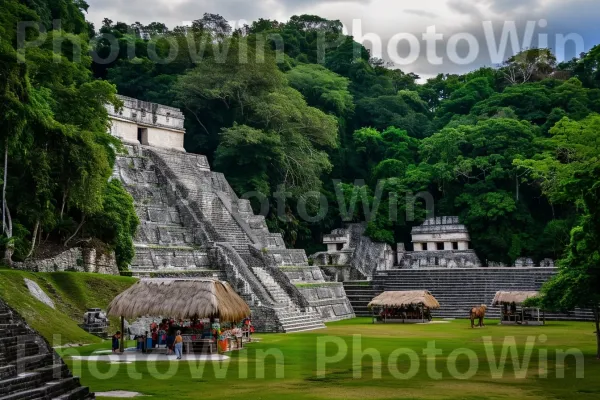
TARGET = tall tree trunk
x,y
76,231
10,245
4,187
64,201
34,238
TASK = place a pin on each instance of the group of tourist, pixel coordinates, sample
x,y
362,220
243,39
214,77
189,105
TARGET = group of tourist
x,y
168,333
403,313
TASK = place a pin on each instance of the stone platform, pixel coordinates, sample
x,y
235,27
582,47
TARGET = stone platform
x,y
193,225
457,290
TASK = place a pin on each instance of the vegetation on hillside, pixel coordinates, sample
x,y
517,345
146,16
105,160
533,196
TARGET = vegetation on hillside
x,y
298,120
72,294
56,154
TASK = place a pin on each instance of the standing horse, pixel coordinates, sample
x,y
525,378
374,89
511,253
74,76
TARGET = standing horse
x,y
478,312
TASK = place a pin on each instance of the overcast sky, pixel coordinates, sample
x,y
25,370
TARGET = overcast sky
x,y
463,24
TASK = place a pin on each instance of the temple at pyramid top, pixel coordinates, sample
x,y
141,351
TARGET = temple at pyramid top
x,y
147,123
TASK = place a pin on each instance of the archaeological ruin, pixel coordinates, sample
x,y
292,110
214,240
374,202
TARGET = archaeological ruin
x,y
442,261
193,225
29,367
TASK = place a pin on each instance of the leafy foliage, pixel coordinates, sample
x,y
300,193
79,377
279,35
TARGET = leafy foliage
x,y
57,151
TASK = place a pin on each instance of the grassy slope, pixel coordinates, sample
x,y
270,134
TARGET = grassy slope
x,y
188,381
72,293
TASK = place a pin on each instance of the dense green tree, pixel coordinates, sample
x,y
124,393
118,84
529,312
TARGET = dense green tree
x,y
57,153
322,89
473,169
404,110
529,65
569,171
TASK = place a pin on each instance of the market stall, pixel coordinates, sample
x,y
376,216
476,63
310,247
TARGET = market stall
x,y
413,306
513,312
208,313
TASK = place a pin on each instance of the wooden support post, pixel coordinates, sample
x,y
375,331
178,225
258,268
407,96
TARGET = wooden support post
x,y
122,347
522,315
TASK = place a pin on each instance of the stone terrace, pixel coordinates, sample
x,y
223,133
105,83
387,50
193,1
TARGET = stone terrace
x,y
457,290
29,368
194,225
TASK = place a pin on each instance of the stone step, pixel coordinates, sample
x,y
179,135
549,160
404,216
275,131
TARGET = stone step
x,y
457,290
57,388
304,328
78,393
300,320
12,330
8,371
20,383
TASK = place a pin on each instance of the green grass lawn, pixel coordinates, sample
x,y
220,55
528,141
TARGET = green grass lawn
x,y
297,367
72,292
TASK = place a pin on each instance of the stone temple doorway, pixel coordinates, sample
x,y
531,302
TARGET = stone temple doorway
x,y
142,135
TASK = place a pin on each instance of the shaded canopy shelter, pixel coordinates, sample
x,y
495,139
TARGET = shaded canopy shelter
x,y
512,297
513,300
404,299
182,299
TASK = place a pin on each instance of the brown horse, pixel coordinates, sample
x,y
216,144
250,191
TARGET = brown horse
x,y
478,312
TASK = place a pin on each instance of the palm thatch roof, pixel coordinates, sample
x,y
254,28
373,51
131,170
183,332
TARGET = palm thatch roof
x,y
404,299
180,299
512,297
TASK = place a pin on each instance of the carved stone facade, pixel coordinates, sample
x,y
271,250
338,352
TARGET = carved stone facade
x,y
441,242
350,247
194,225
147,123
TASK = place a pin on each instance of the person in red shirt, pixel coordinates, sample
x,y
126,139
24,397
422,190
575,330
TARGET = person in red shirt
x,y
154,337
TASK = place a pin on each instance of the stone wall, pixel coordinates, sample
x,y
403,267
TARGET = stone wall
x,y
525,262
74,259
329,299
341,273
439,259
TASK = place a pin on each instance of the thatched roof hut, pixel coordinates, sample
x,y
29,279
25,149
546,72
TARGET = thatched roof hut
x,y
404,299
512,297
180,299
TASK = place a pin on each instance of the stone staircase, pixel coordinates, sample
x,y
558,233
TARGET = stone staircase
x,y
294,321
457,290
273,310
29,368
277,293
193,225
360,293
165,247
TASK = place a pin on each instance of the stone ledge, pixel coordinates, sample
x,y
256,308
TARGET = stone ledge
x,y
74,259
